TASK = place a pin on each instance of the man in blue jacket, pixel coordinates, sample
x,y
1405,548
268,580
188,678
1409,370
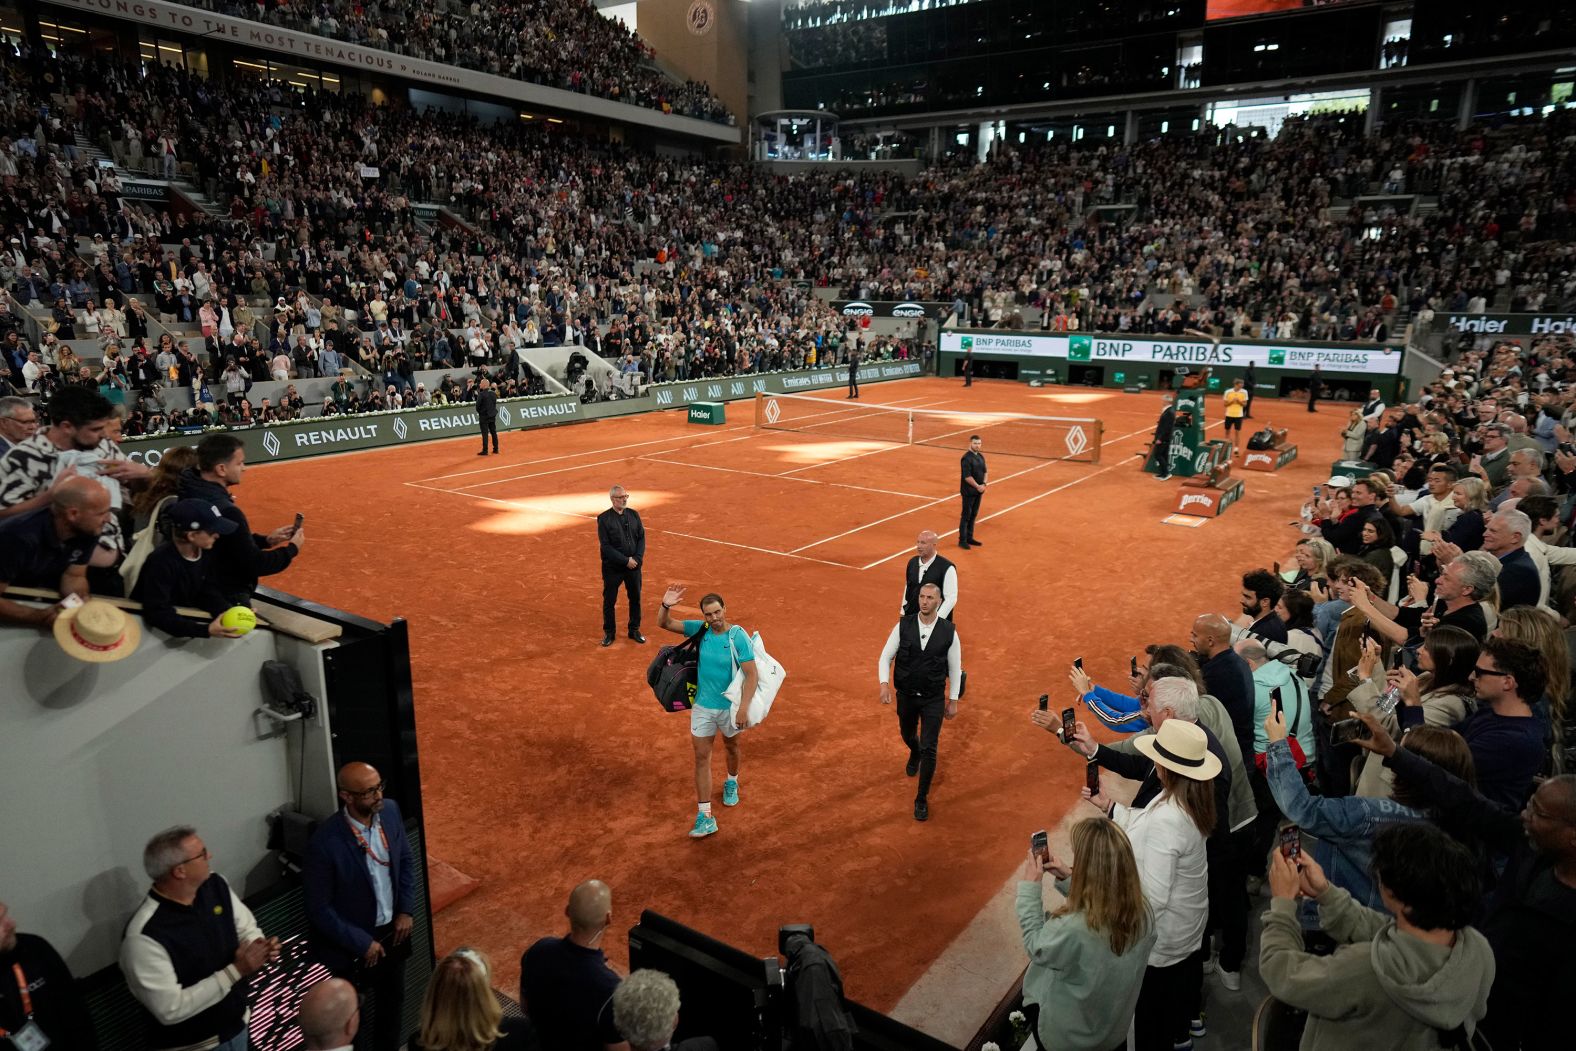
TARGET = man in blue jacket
x,y
359,883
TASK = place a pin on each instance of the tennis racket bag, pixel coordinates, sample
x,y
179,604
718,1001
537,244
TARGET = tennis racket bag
x,y
672,674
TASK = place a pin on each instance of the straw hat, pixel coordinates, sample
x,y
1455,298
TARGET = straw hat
x,y
98,632
1182,748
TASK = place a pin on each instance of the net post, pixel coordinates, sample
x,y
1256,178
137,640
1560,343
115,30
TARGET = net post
x,y
910,428
1098,440
760,410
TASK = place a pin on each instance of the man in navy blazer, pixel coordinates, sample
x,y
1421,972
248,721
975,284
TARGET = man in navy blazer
x,y
359,882
1505,537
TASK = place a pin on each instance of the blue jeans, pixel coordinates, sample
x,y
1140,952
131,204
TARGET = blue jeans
x,y
239,1042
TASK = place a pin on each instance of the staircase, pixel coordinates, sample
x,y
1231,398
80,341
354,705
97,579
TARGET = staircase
x,y
188,190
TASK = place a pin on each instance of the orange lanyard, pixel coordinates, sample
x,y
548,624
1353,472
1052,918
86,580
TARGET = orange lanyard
x,y
367,847
27,998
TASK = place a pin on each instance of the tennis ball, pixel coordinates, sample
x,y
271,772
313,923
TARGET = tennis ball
x,y
238,618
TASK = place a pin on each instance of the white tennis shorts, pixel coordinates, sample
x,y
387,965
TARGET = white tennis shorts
x,y
705,722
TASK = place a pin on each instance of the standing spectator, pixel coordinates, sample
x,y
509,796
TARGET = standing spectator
x,y
928,656
330,1016
1168,843
723,648
622,540
566,986
487,414
359,879
1227,676
1505,537
1087,959
646,1011
460,1013
79,421
1354,437
972,489
190,947
1416,979
1531,915
41,1007
1261,590
51,548
241,557
927,567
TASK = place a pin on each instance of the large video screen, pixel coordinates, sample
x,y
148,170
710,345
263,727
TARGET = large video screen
x,y
1218,9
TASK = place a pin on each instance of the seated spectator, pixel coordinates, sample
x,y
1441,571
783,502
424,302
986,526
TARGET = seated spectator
x,y
460,1013
646,1011
1417,978
566,986
330,1016
190,948
51,1012
1087,959
50,548
184,572
1530,920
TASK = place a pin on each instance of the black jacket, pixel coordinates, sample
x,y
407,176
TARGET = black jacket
x,y
621,539
57,1006
1229,680
821,1022
487,404
242,557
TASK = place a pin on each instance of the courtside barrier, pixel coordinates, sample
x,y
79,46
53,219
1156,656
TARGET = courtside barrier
x,y
322,435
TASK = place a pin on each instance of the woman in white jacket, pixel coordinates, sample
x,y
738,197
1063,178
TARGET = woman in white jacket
x,y
1168,844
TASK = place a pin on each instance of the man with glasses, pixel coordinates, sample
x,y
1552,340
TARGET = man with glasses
x,y
190,948
1505,737
18,421
360,892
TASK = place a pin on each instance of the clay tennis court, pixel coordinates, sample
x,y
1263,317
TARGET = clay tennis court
x,y
546,761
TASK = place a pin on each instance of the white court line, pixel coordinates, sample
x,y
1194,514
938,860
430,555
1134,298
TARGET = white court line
x,y
890,445
520,506
631,445
1049,492
764,474
921,507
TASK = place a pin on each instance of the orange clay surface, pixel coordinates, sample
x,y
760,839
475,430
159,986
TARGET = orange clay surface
x,y
545,760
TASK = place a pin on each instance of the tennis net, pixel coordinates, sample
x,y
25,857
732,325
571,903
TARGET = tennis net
x,y
1005,433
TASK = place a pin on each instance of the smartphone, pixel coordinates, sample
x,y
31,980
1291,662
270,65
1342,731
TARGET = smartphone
x,y
1275,699
1277,568
1349,730
1078,663
300,520
1040,845
1092,777
1045,702
1069,725
1291,842
1132,666
1398,659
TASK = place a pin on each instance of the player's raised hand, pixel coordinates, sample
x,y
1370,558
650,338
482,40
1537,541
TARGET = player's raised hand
x,y
672,596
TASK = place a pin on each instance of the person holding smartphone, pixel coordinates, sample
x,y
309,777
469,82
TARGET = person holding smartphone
x,y
1087,959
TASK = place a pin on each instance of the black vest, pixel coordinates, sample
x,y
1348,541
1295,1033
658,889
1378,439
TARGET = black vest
x,y
936,574
199,939
922,672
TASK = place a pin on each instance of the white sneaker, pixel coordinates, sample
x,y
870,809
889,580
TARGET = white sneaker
x,y
1231,979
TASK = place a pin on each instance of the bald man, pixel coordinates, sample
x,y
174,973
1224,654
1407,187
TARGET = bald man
x,y
566,986
330,1016
51,548
360,896
1227,677
927,567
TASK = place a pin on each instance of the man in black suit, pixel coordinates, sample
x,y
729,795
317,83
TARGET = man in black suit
x,y
972,488
1505,537
853,372
646,1011
1315,388
487,414
622,540
360,896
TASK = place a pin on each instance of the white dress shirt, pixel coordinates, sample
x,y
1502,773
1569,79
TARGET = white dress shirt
x,y
949,588
954,654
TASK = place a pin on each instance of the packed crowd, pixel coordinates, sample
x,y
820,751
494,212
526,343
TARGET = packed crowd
x,y
651,263
566,45
1381,743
